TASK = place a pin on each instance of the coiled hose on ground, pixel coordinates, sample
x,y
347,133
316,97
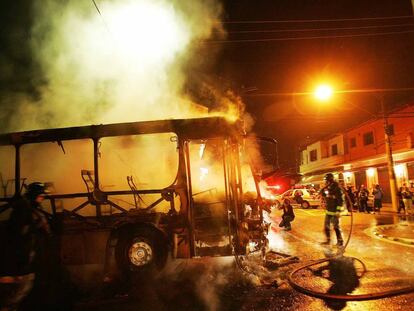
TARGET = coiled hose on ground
x,y
347,297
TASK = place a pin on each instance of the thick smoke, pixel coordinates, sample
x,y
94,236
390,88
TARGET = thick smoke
x,y
138,60
131,63
133,60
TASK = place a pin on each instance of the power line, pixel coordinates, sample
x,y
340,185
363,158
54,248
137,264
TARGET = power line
x,y
355,91
319,20
400,117
97,8
326,118
311,37
316,29
102,17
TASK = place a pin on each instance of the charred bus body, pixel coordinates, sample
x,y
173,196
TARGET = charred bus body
x,y
127,195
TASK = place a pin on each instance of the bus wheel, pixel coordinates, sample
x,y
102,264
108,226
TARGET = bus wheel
x,y
140,251
305,204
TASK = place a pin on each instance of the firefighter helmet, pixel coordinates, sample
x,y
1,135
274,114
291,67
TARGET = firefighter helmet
x,y
329,177
35,189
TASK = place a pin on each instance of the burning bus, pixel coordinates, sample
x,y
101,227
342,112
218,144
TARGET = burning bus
x,y
126,196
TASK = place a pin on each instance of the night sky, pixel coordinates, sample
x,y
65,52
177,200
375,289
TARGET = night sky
x,y
253,61
364,62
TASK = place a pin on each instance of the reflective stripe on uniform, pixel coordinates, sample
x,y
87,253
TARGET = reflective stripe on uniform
x,y
8,279
332,213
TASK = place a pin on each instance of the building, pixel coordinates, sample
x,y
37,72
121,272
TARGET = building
x,y
357,156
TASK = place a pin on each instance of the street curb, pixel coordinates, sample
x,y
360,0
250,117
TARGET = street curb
x,y
379,232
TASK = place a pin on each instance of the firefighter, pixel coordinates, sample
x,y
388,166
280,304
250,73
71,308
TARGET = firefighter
x,y
288,215
334,198
24,229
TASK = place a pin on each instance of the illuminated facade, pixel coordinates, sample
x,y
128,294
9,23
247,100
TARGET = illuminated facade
x,y
357,155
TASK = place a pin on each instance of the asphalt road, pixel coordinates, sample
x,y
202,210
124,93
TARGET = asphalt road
x,y
217,284
389,264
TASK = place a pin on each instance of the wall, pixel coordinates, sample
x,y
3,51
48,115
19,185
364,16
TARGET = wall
x,y
403,122
324,158
367,164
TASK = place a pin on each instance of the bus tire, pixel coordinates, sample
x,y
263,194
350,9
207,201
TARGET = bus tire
x,y
141,251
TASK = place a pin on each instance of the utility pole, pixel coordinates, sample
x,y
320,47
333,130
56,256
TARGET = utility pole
x,y
390,160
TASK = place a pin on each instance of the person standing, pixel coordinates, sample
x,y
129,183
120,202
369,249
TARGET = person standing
x,y
363,199
401,205
351,202
334,198
288,215
378,195
407,197
24,229
357,205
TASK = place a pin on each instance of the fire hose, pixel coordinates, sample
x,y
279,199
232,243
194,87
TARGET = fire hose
x,y
346,297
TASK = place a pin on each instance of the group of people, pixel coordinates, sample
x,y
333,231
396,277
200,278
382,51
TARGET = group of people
x,y
358,199
405,198
27,223
335,197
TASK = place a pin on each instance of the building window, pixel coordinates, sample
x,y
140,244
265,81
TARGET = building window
x,y
368,138
352,142
313,155
334,149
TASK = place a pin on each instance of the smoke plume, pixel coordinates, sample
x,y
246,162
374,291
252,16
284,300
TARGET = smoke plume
x,y
131,61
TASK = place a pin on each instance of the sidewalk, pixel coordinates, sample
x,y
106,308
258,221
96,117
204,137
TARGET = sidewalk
x,y
387,207
401,233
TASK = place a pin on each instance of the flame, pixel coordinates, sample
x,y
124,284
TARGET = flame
x,y
145,32
203,173
128,63
202,148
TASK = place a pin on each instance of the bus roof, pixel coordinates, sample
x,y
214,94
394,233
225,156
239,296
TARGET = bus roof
x,y
194,128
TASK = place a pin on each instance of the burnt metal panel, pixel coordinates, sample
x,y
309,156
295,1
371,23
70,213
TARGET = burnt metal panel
x,y
197,128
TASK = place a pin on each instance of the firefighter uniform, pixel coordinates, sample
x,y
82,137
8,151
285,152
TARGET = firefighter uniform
x,y
24,227
334,198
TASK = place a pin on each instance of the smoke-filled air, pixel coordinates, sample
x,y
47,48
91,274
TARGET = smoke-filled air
x,y
123,60
116,61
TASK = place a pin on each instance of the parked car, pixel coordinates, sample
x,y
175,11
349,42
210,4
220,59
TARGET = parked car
x,y
303,198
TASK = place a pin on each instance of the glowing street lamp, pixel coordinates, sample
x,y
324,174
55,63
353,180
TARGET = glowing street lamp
x,y
323,92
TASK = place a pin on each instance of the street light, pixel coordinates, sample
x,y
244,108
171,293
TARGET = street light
x,y
324,92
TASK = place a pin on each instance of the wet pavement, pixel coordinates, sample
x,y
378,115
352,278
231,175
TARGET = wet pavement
x,y
389,264
217,284
402,232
